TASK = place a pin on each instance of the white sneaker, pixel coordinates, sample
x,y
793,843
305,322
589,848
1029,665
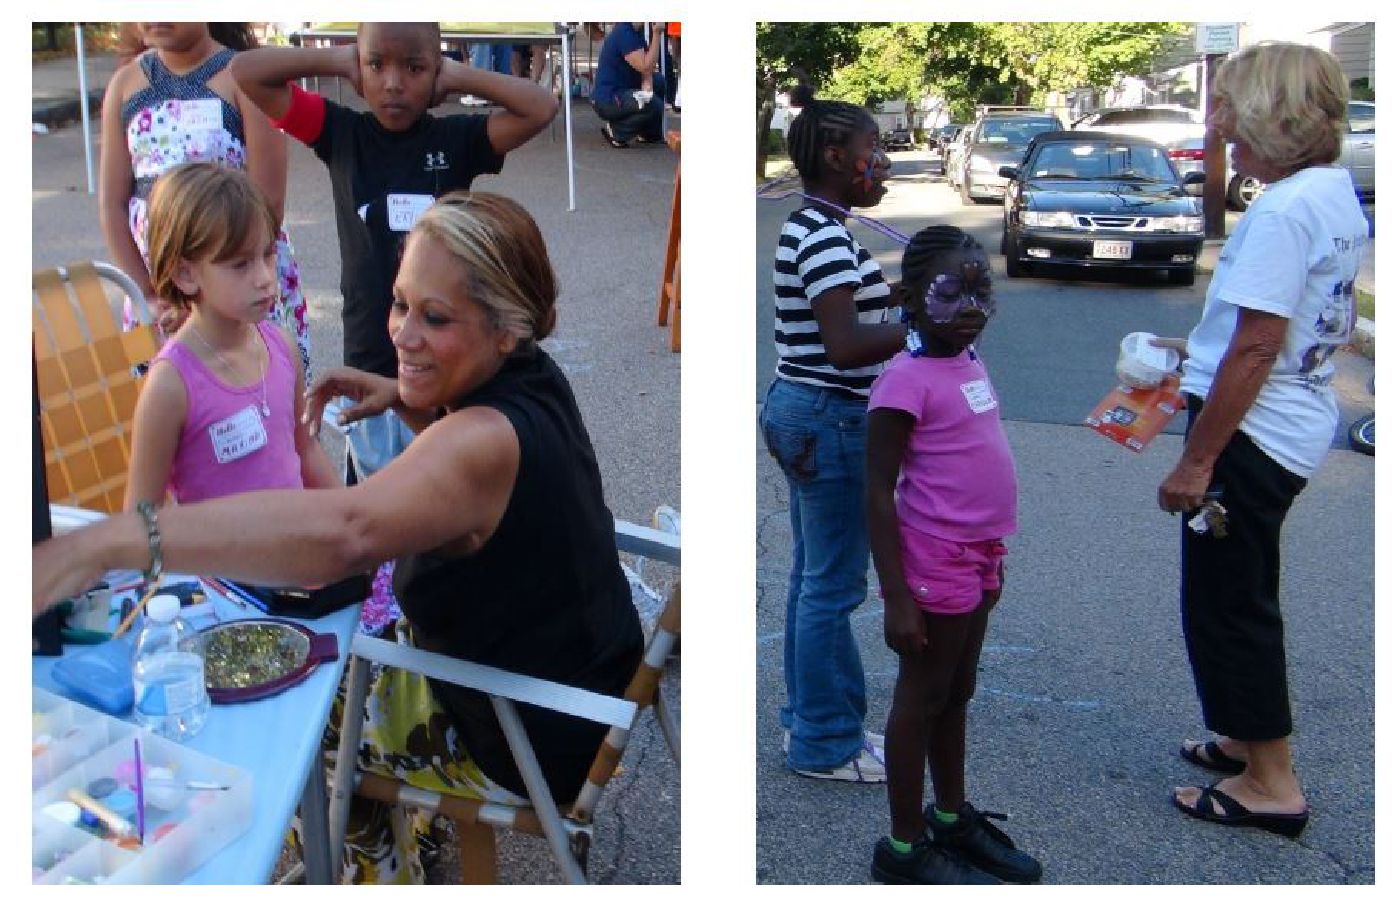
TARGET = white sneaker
x,y
873,740
866,768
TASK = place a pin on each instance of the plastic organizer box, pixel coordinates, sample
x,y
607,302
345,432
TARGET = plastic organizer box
x,y
194,805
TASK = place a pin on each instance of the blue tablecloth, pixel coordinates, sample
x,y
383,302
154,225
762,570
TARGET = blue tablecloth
x,y
275,738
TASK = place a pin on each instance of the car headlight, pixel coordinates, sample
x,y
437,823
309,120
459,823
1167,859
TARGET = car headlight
x,y
1178,224
983,164
1060,219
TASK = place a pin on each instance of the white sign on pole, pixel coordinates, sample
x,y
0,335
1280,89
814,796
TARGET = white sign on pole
x,y
1217,37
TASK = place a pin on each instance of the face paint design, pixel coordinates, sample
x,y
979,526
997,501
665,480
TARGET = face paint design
x,y
866,164
949,293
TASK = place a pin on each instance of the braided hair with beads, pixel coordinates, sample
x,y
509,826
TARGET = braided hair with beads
x,y
921,256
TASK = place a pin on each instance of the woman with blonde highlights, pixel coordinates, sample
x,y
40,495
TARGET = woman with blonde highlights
x,y
495,513
1257,377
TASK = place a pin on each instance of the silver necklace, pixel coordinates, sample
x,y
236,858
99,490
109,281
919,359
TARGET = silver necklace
x,y
262,371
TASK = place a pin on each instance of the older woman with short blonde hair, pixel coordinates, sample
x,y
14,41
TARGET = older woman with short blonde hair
x,y
1262,416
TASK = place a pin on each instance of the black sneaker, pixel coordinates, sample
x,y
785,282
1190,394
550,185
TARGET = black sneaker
x,y
983,844
926,863
612,141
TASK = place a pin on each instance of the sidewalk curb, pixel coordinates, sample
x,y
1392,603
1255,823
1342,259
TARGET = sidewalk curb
x,y
1363,337
55,112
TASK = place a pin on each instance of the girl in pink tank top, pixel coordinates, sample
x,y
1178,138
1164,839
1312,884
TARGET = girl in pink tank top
x,y
222,416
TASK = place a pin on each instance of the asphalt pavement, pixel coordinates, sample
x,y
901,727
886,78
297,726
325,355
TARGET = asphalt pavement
x,y
1084,692
608,255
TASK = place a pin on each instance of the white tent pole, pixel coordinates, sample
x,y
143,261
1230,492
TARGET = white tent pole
x,y
83,103
566,95
661,54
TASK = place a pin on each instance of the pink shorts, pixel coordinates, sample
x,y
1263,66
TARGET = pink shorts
x,y
948,577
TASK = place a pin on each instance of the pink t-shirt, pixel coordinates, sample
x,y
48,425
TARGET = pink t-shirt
x,y
957,480
227,445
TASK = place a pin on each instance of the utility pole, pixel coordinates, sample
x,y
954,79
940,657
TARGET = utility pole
x,y
1214,196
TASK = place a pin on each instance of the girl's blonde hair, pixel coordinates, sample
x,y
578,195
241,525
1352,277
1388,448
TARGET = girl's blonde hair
x,y
1287,101
201,211
503,254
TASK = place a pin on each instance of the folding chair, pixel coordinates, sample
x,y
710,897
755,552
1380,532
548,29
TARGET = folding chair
x,y
568,830
85,365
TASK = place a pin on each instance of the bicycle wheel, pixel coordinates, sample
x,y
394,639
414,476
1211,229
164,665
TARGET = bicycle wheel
x,y
1363,435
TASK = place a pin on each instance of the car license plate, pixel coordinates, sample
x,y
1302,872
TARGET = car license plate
x,y
1113,249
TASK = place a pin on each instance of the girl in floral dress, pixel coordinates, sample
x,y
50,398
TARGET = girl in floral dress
x,y
177,103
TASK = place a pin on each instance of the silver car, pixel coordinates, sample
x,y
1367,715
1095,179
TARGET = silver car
x,y
998,139
1164,123
1358,158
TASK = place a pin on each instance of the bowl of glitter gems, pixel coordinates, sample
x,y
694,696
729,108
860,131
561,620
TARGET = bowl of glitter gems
x,y
257,657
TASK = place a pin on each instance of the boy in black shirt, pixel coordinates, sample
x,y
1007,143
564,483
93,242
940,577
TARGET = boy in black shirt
x,y
387,165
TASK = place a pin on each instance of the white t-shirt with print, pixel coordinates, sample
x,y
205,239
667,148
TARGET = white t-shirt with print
x,y
1295,253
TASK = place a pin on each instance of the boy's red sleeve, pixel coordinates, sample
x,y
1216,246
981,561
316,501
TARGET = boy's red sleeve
x,y
305,117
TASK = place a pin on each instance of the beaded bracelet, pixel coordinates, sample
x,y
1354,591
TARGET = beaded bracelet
x,y
147,510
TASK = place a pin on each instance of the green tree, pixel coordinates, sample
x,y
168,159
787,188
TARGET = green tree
x,y
964,63
789,50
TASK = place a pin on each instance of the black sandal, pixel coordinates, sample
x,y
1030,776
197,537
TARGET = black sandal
x,y
1210,756
1236,815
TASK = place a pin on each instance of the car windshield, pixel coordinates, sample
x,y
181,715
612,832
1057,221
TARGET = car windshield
x,y
1017,132
1098,161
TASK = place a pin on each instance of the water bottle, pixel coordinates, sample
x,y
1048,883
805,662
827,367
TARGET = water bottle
x,y
167,678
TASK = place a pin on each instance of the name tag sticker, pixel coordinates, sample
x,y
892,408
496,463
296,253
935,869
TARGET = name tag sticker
x,y
979,396
239,435
404,210
201,115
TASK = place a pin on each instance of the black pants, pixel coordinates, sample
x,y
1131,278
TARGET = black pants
x,y
1230,596
630,119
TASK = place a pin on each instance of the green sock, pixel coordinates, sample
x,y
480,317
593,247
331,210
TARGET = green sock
x,y
943,817
900,846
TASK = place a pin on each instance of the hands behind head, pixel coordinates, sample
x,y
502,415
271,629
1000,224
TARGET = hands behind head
x,y
440,89
370,394
350,67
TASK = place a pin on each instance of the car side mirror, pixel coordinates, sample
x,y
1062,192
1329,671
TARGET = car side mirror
x,y
1010,172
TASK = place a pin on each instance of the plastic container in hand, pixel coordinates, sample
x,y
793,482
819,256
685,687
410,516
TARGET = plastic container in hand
x,y
1142,365
167,678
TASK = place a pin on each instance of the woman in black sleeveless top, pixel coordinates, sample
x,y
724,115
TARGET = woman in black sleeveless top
x,y
495,512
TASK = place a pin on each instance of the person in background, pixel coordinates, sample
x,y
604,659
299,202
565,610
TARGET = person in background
x,y
628,92
1262,414
177,102
388,164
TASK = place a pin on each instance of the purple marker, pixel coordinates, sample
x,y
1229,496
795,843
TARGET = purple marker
x,y
140,795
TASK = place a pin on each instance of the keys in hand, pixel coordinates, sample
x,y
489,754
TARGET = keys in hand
x,y
1211,516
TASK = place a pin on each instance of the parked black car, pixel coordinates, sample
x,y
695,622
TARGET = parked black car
x,y
898,139
939,138
1086,198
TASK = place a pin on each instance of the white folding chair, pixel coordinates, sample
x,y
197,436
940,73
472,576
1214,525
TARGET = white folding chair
x,y
567,830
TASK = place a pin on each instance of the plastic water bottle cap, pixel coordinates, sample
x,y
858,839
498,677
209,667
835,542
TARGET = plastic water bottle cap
x,y
163,607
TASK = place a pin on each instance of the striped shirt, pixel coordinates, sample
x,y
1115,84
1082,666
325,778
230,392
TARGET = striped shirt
x,y
816,253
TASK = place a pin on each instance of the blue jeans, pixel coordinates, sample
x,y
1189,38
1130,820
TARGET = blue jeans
x,y
817,436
